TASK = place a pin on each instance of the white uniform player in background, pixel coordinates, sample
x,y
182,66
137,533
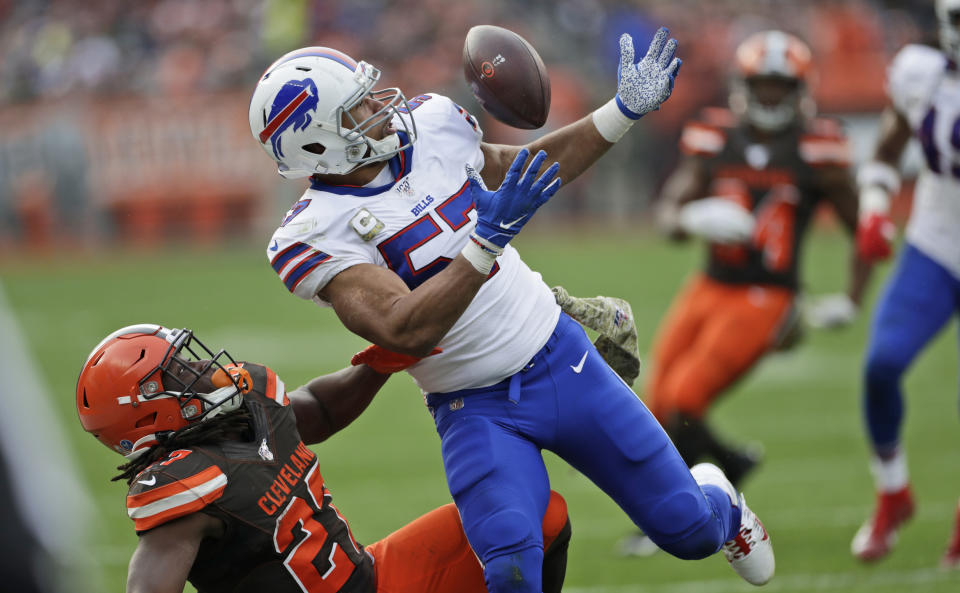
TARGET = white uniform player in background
x,y
398,236
924,291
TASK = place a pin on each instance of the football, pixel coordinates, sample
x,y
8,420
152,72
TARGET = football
x,y
507,76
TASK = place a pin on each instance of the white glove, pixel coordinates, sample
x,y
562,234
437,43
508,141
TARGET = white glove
x,y
643,86
718,220
831,311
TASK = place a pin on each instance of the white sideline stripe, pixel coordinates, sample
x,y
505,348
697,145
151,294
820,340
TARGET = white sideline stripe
x,y
179,499
803,582
53,499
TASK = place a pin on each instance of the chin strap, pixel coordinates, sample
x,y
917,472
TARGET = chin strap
x,y
142,445
223,400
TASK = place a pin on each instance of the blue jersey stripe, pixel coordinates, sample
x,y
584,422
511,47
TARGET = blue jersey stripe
x,y
305,267
286,255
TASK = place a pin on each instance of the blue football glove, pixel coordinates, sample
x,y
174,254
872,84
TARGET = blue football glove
x,y
643,86
501,214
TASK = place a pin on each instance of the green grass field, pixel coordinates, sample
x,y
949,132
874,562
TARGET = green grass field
x,y
812,492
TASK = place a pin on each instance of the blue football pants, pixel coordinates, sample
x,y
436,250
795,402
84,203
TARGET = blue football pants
x,y
917,303
567,400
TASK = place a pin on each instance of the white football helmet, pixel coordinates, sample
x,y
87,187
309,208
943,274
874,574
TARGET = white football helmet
x,y
948,13
778,56
300,114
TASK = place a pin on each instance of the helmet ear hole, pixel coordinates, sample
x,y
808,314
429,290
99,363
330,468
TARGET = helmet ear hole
x,y
147,420
315,148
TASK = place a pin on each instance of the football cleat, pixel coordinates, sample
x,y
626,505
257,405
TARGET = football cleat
x,y
951,558
876,537
750,553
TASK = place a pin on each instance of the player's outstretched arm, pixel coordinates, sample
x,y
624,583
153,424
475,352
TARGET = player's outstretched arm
x,y
688,182
165,554
375,304
838,310
329,403
684,208
641,87
879,180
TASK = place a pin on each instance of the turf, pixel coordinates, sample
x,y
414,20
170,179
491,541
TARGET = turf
x,y
812,491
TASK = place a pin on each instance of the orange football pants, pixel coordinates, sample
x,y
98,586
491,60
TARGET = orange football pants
x,y
712,335
432,555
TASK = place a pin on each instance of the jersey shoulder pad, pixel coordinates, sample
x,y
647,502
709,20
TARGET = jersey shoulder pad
x,y
824,143
294,261
183,482
321,236
258,379
433,112
913,75
707,135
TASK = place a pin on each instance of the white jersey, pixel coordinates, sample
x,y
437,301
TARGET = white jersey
x,y
925,87
415,223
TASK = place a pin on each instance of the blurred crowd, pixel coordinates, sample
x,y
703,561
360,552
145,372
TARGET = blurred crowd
x,y
58,48
66,54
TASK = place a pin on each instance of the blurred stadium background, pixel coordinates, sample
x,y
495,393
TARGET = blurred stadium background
x,y
130,191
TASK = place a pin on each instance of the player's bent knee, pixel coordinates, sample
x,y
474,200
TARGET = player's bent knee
x,y
695,546
502,532
515,572
883,368
555,518
678,513
685,527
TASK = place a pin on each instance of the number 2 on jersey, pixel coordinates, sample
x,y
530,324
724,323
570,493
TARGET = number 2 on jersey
x,y
316,562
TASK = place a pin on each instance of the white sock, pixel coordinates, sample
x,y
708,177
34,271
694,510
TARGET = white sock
x,y
708,473
890,475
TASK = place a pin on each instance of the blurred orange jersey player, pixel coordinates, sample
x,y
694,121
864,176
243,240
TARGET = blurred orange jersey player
x,y
750,183
225,493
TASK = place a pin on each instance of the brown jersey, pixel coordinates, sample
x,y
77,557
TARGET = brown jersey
x,y
778,181
283,533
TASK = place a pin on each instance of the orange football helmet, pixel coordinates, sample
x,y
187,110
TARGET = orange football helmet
x,y
773,71
143,380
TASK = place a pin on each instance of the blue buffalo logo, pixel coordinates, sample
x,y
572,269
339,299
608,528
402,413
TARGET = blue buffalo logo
x,y
292,106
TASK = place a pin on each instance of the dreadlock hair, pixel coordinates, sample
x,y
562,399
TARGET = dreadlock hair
x,y
192,435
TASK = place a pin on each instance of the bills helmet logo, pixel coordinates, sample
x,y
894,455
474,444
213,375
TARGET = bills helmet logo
x,y
292,106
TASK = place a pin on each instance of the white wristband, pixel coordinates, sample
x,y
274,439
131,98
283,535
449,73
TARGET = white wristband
x,y
874,199
611,122
481,254
879,173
